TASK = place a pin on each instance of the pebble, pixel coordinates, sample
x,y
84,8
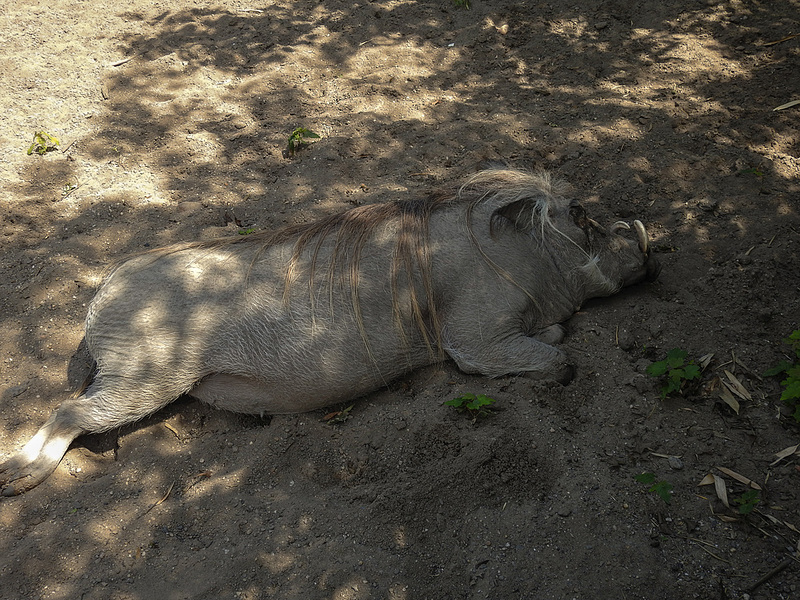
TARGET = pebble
x,y
675,462
625,340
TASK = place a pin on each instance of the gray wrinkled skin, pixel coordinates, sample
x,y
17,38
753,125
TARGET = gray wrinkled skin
x,y
306,317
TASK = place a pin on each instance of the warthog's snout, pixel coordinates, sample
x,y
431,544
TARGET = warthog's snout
x,y
651,267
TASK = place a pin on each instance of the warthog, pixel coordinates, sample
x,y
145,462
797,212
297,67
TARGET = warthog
x,y
310,315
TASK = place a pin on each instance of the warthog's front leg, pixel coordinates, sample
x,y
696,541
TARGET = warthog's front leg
x,y
514,353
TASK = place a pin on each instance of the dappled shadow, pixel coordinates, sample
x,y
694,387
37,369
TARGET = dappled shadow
x,y
405,96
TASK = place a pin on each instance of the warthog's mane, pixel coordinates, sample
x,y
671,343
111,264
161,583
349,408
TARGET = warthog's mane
x,y
531,195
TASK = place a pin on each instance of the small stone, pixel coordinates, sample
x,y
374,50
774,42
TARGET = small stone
x,y
675,462
707,204
564,512
625,340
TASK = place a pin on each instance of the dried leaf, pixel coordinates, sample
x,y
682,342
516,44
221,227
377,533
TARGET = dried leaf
x,y
727,397
707,480
727,519
722,492
787,105
704,360
770,518
660,455
784,453
740,478
738,388
792,527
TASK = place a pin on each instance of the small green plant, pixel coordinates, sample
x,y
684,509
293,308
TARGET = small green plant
x,y
247,231
462,4
298,139
791,384
338,416
663,489
747,501
476,405
43,143
676,369
753,171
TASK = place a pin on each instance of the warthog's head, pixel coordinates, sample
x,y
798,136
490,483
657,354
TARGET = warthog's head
x,y
592,260
616,257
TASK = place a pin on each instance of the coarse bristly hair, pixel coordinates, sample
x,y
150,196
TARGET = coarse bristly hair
x,y
531,194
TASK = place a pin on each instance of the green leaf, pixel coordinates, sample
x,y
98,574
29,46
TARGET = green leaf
x,y
676,357
747,501
657,368
792,390
794,371
646,478
663,489
677,375
781,367
692,371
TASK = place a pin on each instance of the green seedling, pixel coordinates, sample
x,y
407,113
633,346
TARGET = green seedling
x,y
43,143
475,405
676,370
791,384
247,231
747,501
462,4
338,416
753,171
663,489
298,139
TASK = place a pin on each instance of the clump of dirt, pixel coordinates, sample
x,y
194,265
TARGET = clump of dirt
x,y
173,123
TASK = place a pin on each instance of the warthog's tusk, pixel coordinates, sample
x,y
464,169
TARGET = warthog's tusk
x,y
619,225
641,233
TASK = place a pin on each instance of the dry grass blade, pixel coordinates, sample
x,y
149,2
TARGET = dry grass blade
x,y
737,387
727,397
712,554
722,492
783,39
740,478
705,360
770,575
784,453
707,480
787,105
163,498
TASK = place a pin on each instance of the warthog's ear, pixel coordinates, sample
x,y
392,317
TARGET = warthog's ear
x,y
518,214
579,217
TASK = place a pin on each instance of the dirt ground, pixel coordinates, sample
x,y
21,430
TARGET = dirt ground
x,y
173,118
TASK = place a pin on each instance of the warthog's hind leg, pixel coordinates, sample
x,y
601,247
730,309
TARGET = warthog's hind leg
x,y
109,402
39,457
